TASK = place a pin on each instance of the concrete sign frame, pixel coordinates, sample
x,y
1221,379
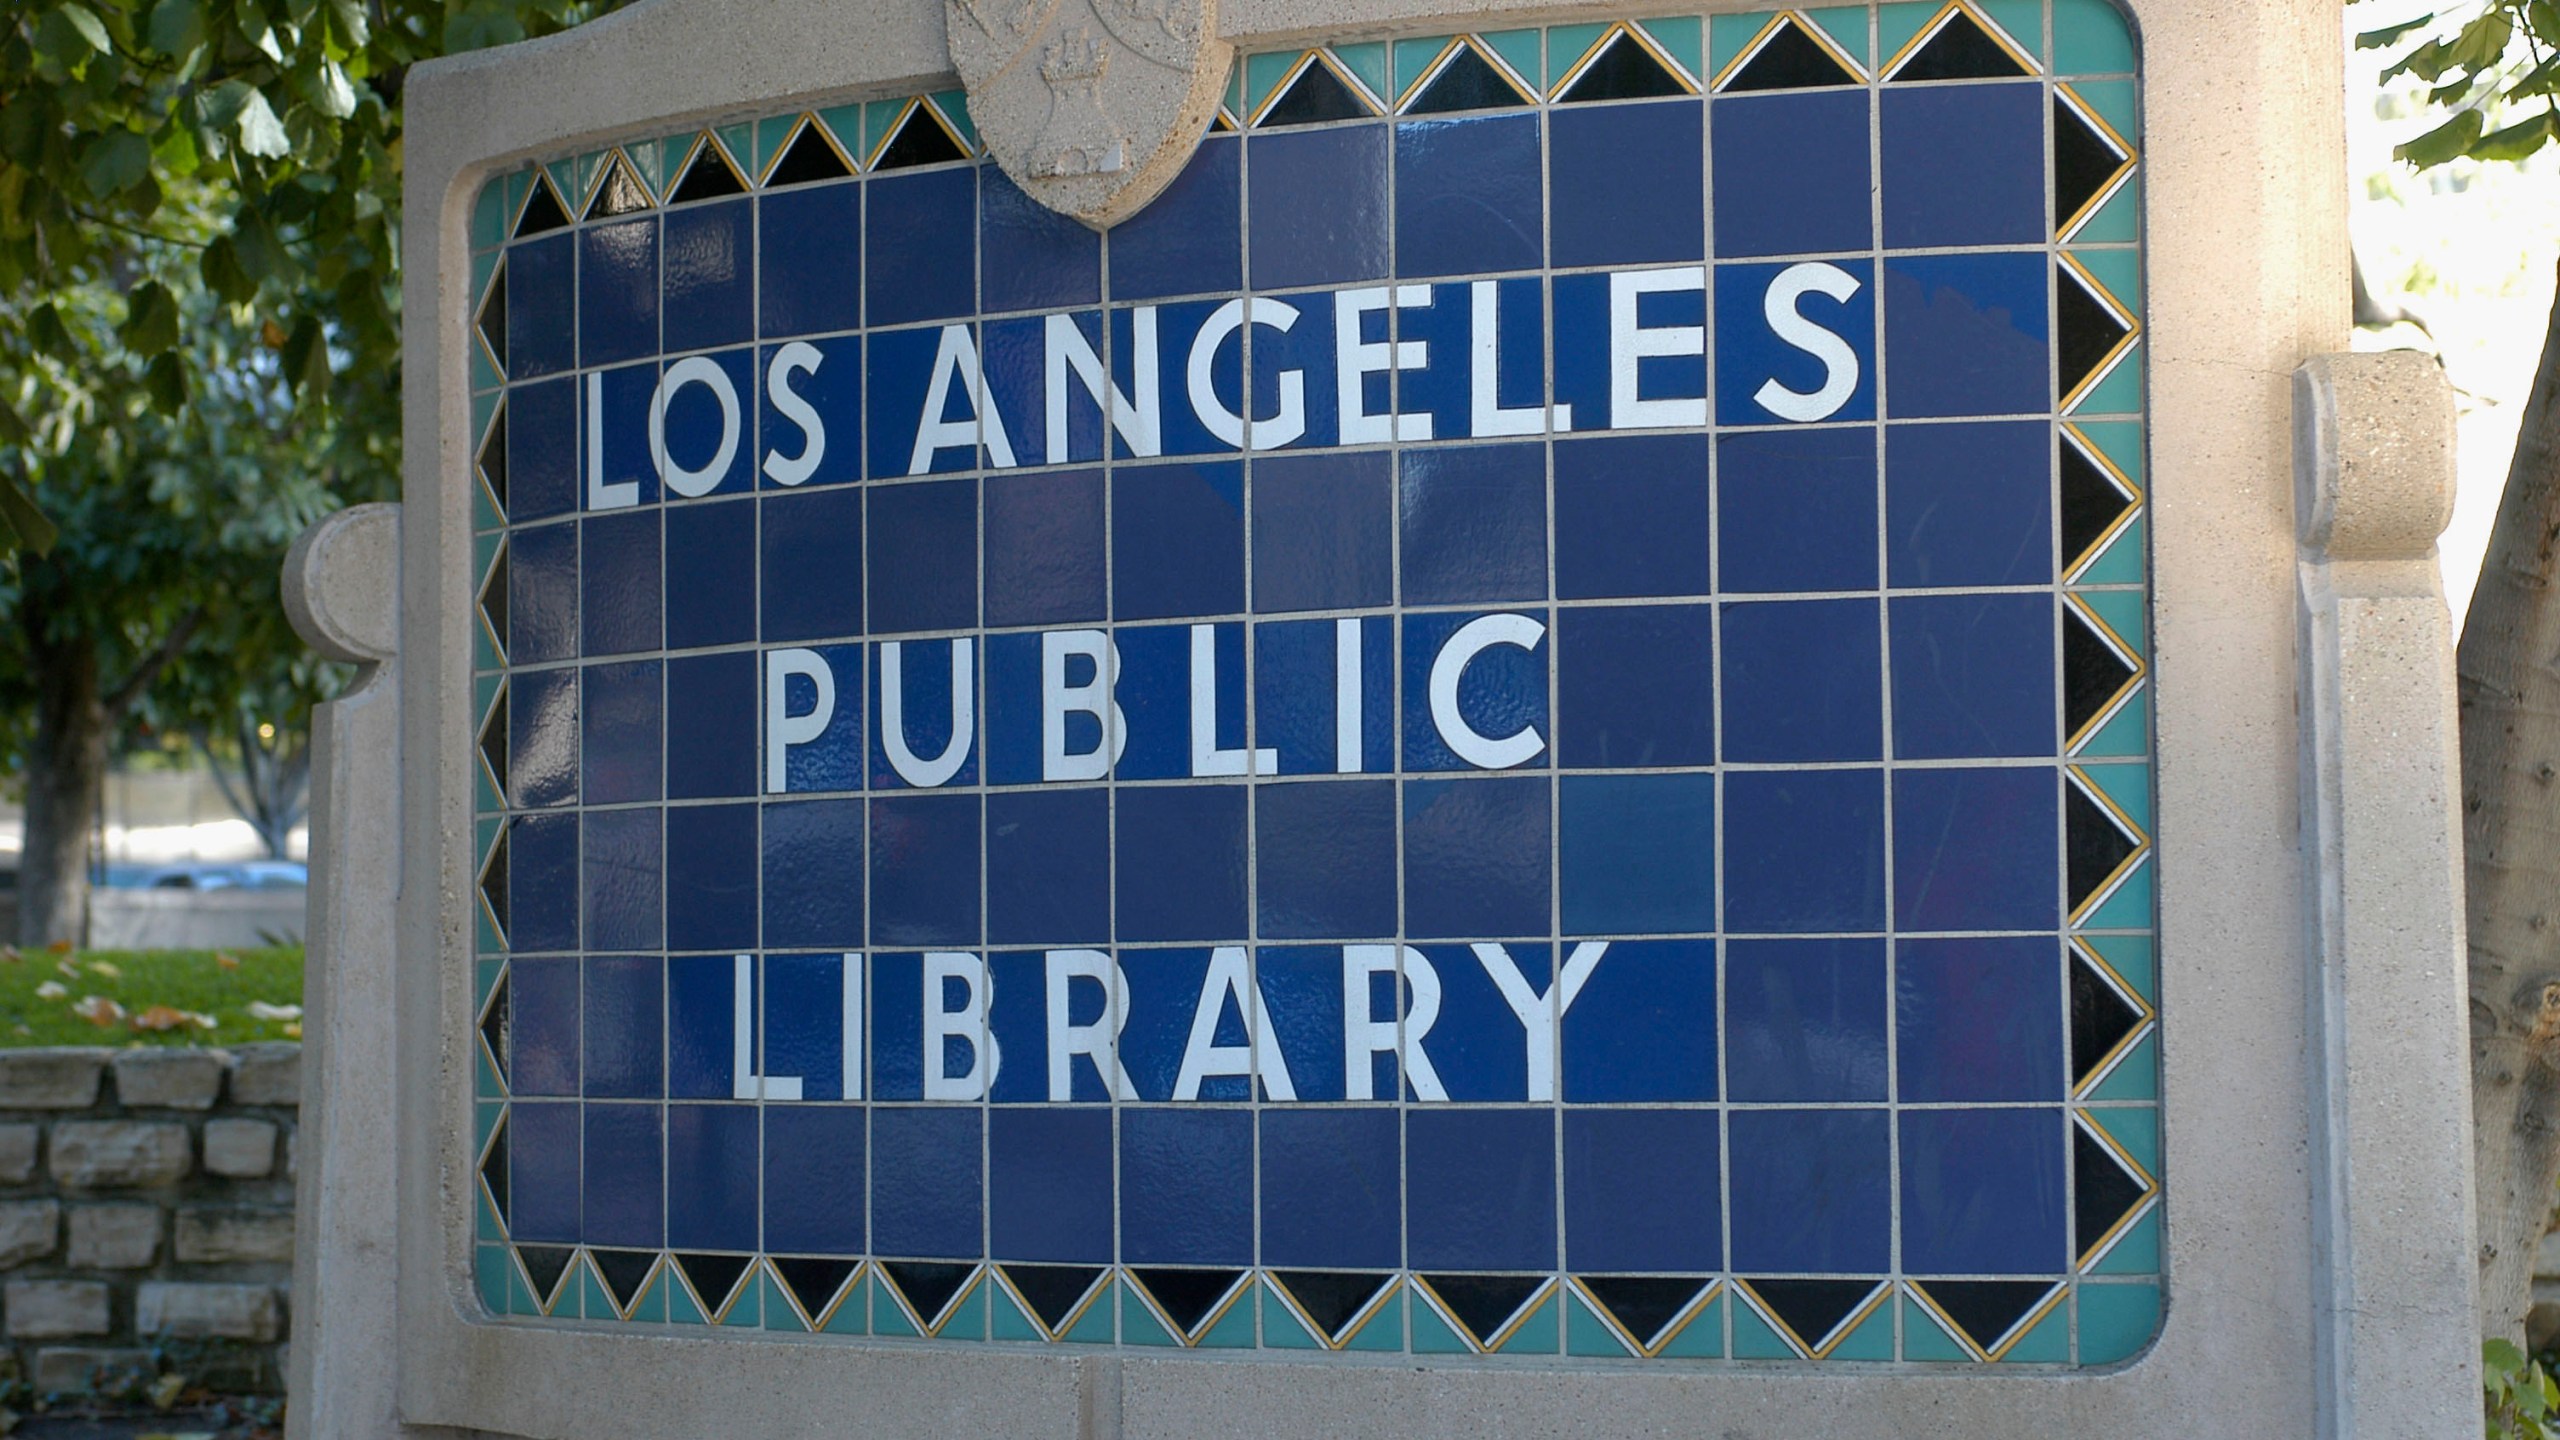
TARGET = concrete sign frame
x,y
2314,1081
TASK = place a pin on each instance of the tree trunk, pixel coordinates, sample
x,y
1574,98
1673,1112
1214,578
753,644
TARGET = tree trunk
x,y
2510,684
66,764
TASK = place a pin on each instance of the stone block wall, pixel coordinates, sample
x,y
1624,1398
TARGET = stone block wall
x,y
146,1217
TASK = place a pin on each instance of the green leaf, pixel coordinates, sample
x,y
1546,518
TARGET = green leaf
x,y
2390,34
22,525
223,273
331,92
306,358
2484,41
2502,1356
166,382
261,133
176,27
2515,142
261,255
151,319
114,161
85,22
354,26
2443,143
47,333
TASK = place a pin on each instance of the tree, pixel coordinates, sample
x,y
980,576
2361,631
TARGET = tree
x,y
2495,66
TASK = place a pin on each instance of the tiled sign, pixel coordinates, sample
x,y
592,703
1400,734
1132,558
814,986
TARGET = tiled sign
x,y
1515,721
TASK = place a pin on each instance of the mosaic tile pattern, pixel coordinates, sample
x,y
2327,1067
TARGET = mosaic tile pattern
x,y
1728,802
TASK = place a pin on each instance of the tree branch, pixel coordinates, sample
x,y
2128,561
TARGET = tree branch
x,y
121,698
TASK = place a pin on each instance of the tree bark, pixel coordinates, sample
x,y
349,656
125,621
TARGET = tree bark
x,y
67,764
2509,662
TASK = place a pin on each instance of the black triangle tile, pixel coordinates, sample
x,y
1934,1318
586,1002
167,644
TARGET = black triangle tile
x,y
1052,1291
621,193
492,319
1789,59
493,891
2096,847
493,1170
1187,1297
2085,162
1332,1298
493,1016
493,609
810,157
1960,50
542,209
2103,1191
1643,1305
1483,1304
1316,96
709,177
544,1265
920,141
1987,1310
2093,673
1467,81
813,1280
2092,503
493,460
623,1273
713,1277
2101,1018
2086,330
928,1285
1623,70
493,743
1813,1309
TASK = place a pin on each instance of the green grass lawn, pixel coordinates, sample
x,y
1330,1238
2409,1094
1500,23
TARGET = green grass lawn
x,y
168,988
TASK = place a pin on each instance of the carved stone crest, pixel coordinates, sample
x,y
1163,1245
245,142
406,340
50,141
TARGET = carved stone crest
x,y
1091,106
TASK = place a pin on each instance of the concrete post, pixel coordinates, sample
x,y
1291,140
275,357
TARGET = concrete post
x,y
2392,1219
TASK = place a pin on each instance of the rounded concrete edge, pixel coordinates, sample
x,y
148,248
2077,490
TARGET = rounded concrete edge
x,y
342,584
2373,454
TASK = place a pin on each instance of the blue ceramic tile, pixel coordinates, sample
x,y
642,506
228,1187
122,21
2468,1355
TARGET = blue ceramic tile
x,y
1641,1191
542,738
618,606
711,1177
711,877
924,556
1325,857
542,883
1186,241
896,1016
543,1156
625,879
926,1182
702,1004
712,710
1796,344
819,738
623,473
542,300
625,1189
1969,504
1303,991
1476,856
1474,524
1635,1031
1803,851
711,574
1162,989
1186,1187
1044,549
1635,686
1975,850
1305,706
1480,1189
1049,867
803,285
1963,165
1177,541
1626,183
710,286
1332,1196
1049,1190
1499,664
807,1000
917,744
625,1027
1982,1192
1323,532
811,416
1979,1018
1966,335
1464,321
542,594
1031,257
1809,1192
1631,350
1319,206
813,873
918,427
1638,853
1180,864
1632,517
1804,1020
1972,676
1184,425
1803,681
811,592
1467,196
1792,174
814,1190
920,257
1018,1022
619,736
542,1027
1153,694
710,429
1472,1037
1796,510
617,292
924,870
1015,665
